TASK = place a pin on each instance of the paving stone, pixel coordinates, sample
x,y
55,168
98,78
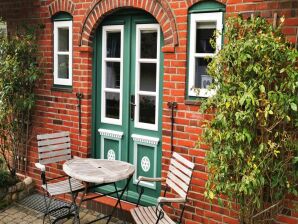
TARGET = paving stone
x,y
19,214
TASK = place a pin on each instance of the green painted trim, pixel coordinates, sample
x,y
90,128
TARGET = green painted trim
x,y
94,105
62,16
207,6
130,196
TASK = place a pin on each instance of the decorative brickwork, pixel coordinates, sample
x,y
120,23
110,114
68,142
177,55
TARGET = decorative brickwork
x,y
158,8
56,109
61,6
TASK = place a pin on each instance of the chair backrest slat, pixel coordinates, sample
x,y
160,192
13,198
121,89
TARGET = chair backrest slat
x,y
182,168
184,161
54,154
176,188
179,174
177,181
55,159
53,141
53,135
53,147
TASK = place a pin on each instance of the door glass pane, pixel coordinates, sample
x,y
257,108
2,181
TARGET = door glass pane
x,y
148,77
113,44
147,109
63,39
63,68
205,31
148,44
112,105
113,75
202,79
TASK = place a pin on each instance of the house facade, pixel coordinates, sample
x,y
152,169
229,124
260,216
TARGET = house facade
x,y
120,76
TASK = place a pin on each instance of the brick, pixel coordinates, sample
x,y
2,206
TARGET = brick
x,y
58,111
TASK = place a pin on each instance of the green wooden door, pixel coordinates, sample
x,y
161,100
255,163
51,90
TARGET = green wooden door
x,y
128,96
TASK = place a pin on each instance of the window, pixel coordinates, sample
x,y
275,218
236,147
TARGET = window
x,y
112,74
62,52
201,29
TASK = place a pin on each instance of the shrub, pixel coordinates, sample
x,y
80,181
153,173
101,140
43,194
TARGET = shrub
x,y
18,74
253,137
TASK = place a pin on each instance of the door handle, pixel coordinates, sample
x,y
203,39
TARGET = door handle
x,y
132,107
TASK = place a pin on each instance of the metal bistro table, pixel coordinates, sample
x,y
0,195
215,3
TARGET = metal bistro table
x,y
100,172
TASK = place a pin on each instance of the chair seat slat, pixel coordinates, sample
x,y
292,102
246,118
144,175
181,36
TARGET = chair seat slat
x,y
53,135
63,186
147,215
53,141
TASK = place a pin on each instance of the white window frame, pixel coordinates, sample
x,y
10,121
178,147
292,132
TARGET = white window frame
x,y
104,89
194,19
57,80
138,92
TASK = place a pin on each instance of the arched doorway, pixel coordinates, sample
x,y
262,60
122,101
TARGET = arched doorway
x,y
127,95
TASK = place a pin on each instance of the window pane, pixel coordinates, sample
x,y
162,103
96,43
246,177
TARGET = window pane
x,y
113,44
112,105
148,44
202,79
147,109
148,77
63,67
63,39
205,31
113,75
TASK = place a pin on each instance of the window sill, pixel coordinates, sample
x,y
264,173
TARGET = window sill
x,y
62,88
193,102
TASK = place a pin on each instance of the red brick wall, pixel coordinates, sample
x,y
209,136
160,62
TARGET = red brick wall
x,y
57,110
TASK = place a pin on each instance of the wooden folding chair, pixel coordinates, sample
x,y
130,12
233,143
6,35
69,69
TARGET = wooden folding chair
x,y
55,148
178,179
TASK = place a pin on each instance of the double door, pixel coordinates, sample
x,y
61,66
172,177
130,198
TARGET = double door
x,y
128,96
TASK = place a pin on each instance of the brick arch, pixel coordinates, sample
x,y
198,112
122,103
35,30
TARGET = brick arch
x,y
61,6
192,2
157,8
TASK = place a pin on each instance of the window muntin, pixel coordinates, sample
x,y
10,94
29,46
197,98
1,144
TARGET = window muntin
x,y
202,28
63,53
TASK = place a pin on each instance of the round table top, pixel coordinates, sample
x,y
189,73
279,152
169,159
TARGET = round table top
x,y
98,171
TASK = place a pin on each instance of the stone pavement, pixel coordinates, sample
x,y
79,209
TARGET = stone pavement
x,y
19,214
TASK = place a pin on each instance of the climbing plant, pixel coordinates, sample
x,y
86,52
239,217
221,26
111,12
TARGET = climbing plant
x,y
18,74
254,151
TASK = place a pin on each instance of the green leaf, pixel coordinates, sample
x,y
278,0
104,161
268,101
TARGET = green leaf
x,y
294,106
262,88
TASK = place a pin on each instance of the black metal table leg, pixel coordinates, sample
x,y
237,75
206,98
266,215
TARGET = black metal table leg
x,y
119,199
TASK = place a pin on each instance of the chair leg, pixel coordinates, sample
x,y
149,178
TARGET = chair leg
x,y
48,205
181,215
119,203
